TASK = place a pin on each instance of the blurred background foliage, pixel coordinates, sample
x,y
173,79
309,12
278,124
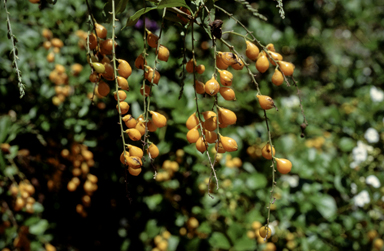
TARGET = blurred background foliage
x,y
331,200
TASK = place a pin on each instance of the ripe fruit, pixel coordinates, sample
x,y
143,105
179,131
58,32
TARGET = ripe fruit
x,y
129,121
140,62
212,87
270,47
238,66
228,144
99,68
276,56
199,87
133,134
149,75
140,126
193,135
51,57
152,39
108,74
210,136
210,124
228,58
227,93
151,126
227,116
106,46
134,162
201,146
378,244
265,231
277,78
220,63
265,102
158,119
123,83
192,121
287,68
226,78
122,95
47,45
252,51
163,54
284,166
124,107
219,147
101,31
262,63
192,222
124,68
189,67
92,41
200,69
147,90
267,151
103,88
134,172
208,114
153,151
57,43
135,151
46,33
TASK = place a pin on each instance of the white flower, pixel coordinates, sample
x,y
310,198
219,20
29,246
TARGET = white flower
x,y
361,199
292,180
360,153
377,95
371,135
353,188
373,181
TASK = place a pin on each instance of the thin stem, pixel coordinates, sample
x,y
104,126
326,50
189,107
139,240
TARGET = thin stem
x,y
14,53
299,95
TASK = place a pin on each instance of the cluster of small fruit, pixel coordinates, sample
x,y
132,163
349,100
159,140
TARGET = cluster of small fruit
x,y
258,231
191,229
161,241
82,160
209,125
284,166
22,193
52,44
232,162
168,170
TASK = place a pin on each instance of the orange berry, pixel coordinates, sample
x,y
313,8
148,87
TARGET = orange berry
x,y
193,135
103,88
51,57
47,33
265,102
200,69
151,126
149,75
47,45
227,93
219,147
57,43
152,39
220,63
270,47
107,46
129,121
210,124
208,114
276,56
124,107
287,68
265,231
124,68
227,116
228,143
134,172
108,74
158,119
226,78
267,151
141,118
147,90
105,60
134,162
101,31
140,62
140,126
153,151
135,151
199,87
163,54
201,146
210,136
122,95
228,58
123,83
277,78
92,41
192,121
212,87
284,166
190,66
262,63
133,134
238,66
252,51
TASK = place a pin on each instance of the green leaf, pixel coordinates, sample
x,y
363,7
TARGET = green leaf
x,y
244,244
163,4
326,205
153,201
346,144
39,228
5,123
256,181
218,240
235,231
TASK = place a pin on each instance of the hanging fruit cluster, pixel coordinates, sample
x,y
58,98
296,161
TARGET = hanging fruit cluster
x,y
22,193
